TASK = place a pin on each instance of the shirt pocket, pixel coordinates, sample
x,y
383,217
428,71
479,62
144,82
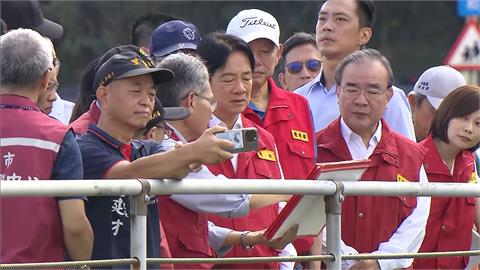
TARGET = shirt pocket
x,y
301,149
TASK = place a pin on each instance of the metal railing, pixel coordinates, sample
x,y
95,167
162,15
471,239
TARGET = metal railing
x,y
137,189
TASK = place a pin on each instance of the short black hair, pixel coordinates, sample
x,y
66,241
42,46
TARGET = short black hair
x,y
216,47
142,29
366,13
296,40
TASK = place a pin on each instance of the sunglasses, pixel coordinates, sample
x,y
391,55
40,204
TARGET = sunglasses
x,y
297,66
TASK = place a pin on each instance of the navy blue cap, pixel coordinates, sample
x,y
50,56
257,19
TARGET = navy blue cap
x,y
129,64
173,36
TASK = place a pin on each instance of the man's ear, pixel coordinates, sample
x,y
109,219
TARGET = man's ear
x,y
389,94
337,90
282,80
150,135
188,102
365,35
279,54
102,94
411,101
43,83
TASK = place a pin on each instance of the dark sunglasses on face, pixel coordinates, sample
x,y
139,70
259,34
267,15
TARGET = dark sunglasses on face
x,y
297,66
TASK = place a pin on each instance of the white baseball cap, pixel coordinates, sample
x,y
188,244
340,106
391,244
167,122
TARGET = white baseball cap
x,y
251,24
437,82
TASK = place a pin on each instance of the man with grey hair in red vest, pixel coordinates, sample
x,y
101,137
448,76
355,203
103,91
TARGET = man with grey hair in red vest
x,y
35,147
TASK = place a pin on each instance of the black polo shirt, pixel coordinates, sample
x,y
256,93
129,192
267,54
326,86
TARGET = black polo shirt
x,y
109,216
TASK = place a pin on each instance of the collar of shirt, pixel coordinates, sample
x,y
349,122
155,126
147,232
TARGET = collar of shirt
x,y
125,149
316,84
95,110
355,144
238,124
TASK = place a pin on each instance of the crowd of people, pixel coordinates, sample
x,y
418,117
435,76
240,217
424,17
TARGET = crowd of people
x,y
151,109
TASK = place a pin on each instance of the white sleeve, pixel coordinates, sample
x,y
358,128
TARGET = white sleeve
x,y
216,238
409,235
398,114
225,205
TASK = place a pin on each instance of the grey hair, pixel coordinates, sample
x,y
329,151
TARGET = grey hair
x,y
24,59
191,75
362,56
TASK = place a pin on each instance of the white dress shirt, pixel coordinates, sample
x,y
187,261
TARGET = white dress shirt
x,y
62,110
409,235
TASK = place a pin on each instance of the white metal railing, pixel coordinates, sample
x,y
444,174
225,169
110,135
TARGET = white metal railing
x,y
138,189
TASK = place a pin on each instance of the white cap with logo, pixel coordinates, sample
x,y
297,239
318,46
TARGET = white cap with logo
x,y
437,82
251,24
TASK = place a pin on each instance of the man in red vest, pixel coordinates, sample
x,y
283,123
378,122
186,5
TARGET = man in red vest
x,y
283,114
374,224
184,216
36,147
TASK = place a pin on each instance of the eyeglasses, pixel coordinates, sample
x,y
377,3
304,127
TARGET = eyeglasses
x,y
52,86
167,130
297,66
213,102
352,92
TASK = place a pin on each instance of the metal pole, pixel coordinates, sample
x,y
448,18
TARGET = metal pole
x,y
138,227
333,209
64,188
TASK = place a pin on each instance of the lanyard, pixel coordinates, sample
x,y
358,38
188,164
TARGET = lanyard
x,y
25,108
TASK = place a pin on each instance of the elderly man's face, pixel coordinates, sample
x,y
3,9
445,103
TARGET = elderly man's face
x,y
130,101
422,115
46,98
363,96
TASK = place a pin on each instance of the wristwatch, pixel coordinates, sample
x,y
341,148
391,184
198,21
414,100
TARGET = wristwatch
x,y
243,241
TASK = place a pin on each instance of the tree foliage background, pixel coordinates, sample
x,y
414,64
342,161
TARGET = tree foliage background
x,y
414,35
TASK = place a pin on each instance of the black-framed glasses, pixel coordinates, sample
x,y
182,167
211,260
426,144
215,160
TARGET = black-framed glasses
x,y
52,86
354,92
297,66
213,102
167,130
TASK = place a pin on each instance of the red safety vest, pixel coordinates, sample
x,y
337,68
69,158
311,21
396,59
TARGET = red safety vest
x,y
368,221
251,165
186,231
80,126
289,120
30,227
450,223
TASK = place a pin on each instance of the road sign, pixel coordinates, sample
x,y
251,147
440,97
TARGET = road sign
x,y
465,53
468,8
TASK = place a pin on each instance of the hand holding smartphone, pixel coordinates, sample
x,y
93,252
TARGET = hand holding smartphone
x,y
245,139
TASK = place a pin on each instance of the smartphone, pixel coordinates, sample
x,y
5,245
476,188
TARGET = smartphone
x,y
245,139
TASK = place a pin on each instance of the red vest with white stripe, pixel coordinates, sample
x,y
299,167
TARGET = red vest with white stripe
x,y
368,221
30,227
250,166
